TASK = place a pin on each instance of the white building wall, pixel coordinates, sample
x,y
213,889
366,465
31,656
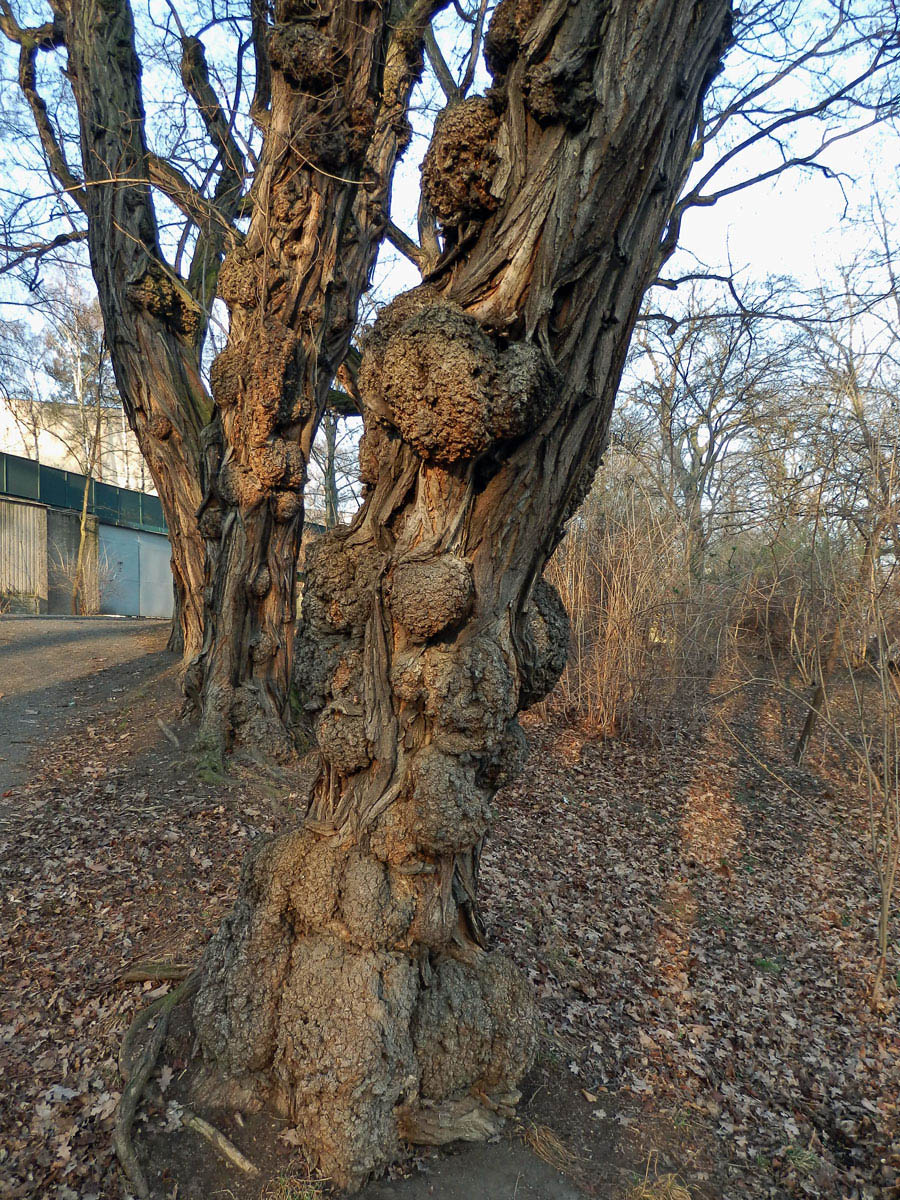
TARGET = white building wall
x,y
49,435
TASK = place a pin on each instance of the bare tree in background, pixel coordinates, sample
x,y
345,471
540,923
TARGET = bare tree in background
x,y
859,438
333,488
84,396
703,390
20,354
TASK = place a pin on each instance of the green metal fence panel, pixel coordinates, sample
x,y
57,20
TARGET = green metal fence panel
x,y
23,478
75,492
54,487
65,489
152,513
130,508
106,503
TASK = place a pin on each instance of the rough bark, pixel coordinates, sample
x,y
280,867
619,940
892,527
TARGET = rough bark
x,y
351,988
340,77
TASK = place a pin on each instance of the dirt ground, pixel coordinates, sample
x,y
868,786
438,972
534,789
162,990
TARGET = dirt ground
x,y
51,667
696,919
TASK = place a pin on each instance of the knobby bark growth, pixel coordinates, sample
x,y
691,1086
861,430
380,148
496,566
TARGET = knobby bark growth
x,y
351,988
338,78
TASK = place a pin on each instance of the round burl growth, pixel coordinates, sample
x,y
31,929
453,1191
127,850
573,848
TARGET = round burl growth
x,y
316,655
474,1028
260,582
460,162
238,486
506,763
210,521
239,279
157,293
278,463
389,320
344,1056
558,92
544,644
526,384
272,376
468,692
377,908
506,32
160,427
302,1006
445,812
428,598
438,378
341,737
340,583
226,378
306,55
263,646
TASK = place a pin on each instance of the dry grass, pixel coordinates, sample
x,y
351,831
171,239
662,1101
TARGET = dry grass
x,y
291,1186
546,1145
655,1186
646,638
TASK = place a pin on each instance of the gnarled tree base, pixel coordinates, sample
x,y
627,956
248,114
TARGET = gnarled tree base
x,y
323,1000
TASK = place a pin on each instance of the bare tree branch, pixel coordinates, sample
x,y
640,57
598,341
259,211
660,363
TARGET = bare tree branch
x,y
444,75
474,49
37,250
44,37
405,244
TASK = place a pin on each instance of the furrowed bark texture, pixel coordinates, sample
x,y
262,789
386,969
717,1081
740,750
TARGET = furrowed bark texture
x,y
152,322
351,988
341,74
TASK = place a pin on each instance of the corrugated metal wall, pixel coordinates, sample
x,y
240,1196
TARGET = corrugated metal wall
x,y
128,569
23,556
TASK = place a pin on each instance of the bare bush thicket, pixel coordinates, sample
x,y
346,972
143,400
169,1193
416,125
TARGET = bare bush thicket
x,y
744,538
646,637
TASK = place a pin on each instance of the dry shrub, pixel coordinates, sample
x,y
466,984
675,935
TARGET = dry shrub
x,y
652,641
646,638
789,599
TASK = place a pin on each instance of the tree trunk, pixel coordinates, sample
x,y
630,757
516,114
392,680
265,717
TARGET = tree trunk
x,y
351,988
152,323
78,603
341,79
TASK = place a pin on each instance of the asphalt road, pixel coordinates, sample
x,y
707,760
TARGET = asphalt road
x,y
54,668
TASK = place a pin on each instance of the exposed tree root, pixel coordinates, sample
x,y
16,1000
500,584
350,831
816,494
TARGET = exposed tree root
x,y
152,971
465,1120
139,1076
218,1141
